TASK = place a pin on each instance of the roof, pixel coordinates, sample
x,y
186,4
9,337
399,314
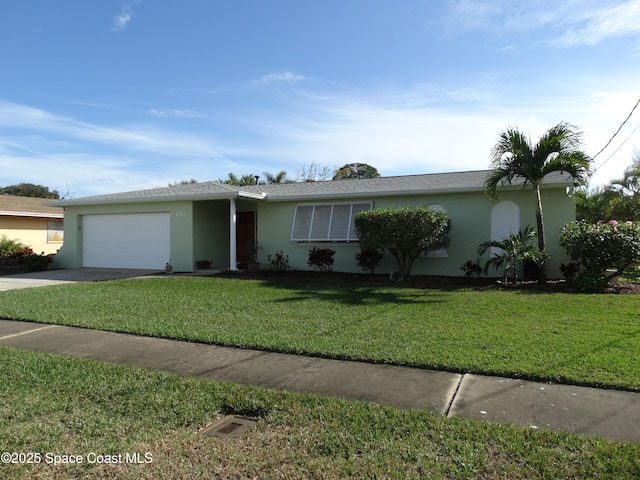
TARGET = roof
x,y
14,206
433,183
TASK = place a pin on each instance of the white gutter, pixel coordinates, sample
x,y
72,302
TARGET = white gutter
x,y
31,214
254,196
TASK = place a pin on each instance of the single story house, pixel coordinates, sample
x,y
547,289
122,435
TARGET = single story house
x,y
31,221
183,224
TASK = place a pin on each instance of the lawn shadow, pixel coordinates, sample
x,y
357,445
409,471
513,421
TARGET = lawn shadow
x,y
357,289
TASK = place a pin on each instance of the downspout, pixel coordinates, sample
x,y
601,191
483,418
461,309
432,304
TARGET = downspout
x,y
232,235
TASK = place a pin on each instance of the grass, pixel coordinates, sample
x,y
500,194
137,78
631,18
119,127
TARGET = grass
x,y
70,406
572,338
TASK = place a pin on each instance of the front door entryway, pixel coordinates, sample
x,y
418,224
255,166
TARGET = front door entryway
x,y
245,233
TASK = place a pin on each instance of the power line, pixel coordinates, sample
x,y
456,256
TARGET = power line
x,y
617,131
616,150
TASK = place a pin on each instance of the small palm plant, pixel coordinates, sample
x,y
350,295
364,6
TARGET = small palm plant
x,y
511,251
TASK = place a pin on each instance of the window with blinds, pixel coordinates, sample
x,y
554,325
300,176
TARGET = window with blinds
x,y
326,222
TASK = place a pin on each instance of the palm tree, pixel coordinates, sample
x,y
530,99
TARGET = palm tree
x,y
515,157
244,180
511,251
280,177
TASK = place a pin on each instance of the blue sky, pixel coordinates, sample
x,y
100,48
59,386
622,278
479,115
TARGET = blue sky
x,y
108,96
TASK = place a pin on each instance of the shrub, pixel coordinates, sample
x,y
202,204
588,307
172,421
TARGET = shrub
x,y
279,261
569,270
13,248
406,232
368,260
603,250
203,264
321,259
591,281
36,263
471,268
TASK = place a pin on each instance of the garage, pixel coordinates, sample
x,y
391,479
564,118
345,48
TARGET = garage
x,y
135,240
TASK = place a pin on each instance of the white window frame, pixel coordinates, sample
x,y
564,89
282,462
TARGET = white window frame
x,y
317,228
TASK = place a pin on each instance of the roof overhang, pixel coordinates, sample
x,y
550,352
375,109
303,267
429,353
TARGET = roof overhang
x,y
403,193
231,195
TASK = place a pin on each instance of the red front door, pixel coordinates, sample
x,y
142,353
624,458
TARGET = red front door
x,y
245,232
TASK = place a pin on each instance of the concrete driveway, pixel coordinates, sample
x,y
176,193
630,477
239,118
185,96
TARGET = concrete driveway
x,y
69,275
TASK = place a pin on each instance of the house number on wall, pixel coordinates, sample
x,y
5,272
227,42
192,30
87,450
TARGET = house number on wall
x,y
181,214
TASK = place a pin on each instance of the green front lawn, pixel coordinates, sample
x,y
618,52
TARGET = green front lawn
x,y
577,338
58,408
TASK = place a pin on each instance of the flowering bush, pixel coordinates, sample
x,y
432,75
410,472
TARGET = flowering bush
x,y
13,248
406,232
13,252
602,251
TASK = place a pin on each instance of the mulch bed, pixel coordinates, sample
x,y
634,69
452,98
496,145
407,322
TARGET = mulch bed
x,y
435,281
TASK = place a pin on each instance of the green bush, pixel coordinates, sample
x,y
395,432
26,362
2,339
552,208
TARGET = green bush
x,y
13,252
278,262
603,250
36,263
13,248
406,232
321,259
591,281
471,268
368,260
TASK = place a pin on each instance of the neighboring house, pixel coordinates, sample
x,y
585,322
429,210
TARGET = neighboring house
x,y
32,222
213,221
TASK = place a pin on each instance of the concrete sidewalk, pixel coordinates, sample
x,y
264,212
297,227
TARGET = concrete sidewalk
x,y
606,413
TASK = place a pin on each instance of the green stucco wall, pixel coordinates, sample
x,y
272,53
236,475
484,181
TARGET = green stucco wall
x,y
470,215
211,232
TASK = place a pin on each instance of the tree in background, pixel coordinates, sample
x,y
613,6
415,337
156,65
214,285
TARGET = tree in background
x,y
314,173
30,190
627,205
594,206
356,171
280,177
620,200
516,157
406,232
241,181
183,182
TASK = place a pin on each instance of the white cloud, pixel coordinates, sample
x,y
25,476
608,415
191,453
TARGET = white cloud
x,y
398,137
399,131
603,23
175,113
569,23
121,21
282,77
138,138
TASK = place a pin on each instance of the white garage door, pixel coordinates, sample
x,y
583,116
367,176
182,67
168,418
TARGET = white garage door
x,y
135,240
